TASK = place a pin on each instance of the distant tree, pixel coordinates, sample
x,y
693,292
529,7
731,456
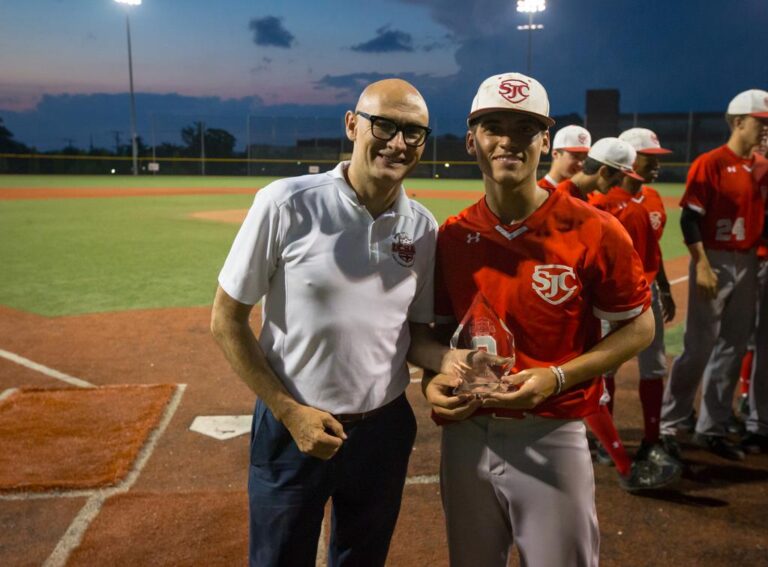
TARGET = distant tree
x,y
10,146
127,149
167,149
218,142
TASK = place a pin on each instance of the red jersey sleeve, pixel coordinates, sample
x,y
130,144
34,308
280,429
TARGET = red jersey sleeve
x,y
443,305
701,180
621,290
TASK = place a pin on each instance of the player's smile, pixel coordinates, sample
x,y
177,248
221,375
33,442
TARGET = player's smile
x,y
507,145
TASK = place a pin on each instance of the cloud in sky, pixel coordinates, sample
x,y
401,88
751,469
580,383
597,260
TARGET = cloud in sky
x,y
269,31
386,41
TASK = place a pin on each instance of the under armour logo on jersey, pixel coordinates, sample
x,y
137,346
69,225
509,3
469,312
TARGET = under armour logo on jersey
x,y
554,283
473,238
731,169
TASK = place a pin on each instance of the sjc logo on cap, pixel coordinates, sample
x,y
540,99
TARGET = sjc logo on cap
x,y
514,90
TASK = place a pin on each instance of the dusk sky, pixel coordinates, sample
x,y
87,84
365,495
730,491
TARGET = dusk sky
x,y
223,60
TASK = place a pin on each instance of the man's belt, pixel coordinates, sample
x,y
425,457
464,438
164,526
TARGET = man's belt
x,y
355,417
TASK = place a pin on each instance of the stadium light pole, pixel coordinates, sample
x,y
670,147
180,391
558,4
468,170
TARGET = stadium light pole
x,y
134,143
530,7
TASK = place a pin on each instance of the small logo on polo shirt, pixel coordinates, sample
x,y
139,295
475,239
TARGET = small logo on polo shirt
x,y
403,249
731,169
554,283
473,238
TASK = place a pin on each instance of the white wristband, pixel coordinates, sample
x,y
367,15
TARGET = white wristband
x,y
559,379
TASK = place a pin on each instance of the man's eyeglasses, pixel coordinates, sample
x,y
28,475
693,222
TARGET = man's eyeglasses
x,y
386,129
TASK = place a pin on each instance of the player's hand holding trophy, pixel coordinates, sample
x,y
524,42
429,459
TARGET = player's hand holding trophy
x,y
493,350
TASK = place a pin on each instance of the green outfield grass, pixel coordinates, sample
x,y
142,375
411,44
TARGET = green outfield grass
x,y
71,256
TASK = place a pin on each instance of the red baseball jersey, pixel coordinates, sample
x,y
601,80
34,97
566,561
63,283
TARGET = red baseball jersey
x,y
721,187
638,220
760,173
547,182
650,199
550,279
568,187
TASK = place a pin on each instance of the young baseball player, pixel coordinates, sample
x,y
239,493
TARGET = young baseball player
x,y
608,162
515,466
569,150
633,198
604,166
344,263
721,220
756,439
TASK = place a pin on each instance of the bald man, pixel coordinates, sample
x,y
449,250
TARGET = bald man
x,y
342,262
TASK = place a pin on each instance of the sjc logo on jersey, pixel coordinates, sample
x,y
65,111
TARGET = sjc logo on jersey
x,y
554,283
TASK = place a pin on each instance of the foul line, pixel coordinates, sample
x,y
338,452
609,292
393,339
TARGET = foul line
x,y
45,370
96,497
679,280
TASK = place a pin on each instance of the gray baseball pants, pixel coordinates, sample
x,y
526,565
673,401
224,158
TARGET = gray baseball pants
x,y
524,481
716,335
757,422
652,361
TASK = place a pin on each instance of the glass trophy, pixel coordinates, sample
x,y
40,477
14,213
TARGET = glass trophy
x,y
482,330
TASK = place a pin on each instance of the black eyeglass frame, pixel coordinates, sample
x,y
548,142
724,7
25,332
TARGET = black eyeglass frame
x,y
373,118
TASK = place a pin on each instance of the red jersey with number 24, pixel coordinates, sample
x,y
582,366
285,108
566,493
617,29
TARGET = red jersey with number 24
x,y
721,187
550,278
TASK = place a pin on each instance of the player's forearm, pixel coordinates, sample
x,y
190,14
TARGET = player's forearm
x,y
612,351
698,254
426,350
661,277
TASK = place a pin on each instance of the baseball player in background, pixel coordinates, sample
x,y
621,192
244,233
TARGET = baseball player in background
x,y
609,161
722,220
344,263
756,439
635,199
515,466
569,150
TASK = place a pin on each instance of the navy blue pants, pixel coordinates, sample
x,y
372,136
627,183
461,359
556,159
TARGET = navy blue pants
x,y
287,490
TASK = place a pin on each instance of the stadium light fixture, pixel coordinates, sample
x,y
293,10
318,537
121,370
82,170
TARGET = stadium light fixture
x,y
134,143
530,7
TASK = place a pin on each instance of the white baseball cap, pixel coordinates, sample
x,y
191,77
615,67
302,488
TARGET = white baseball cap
x,y
572,139
511,92
644,141
753,102
617,154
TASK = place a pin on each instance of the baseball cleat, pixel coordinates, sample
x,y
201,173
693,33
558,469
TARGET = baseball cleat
x,y
754,443
657,453
719,446
601,456
647,475
672,447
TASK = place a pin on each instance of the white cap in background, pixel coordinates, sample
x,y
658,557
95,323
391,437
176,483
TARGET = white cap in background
x,y
753,102
572,139
644,141
512,92
617,154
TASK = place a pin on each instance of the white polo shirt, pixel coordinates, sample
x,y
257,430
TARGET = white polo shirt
x,y
339,288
